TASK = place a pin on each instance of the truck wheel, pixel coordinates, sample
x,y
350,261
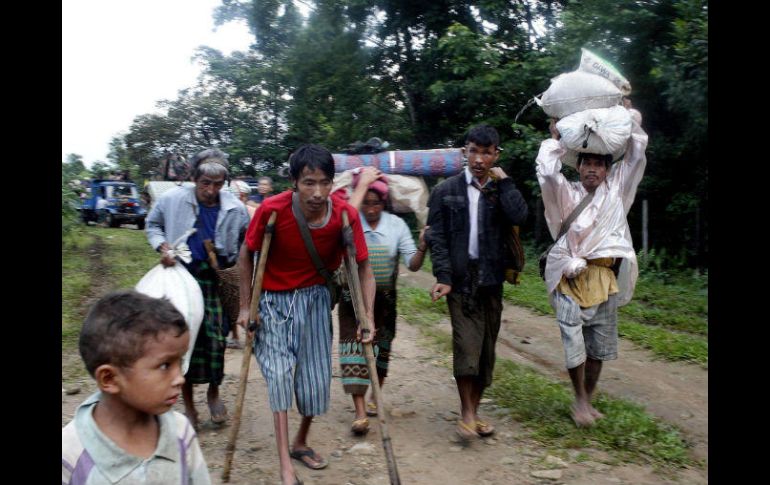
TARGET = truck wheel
x,y
140,225
111,221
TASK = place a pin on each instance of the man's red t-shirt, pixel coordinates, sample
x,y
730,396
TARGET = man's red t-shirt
x,y
289,265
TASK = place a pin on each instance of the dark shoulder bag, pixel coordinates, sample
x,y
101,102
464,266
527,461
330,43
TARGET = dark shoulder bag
x,y
332,283
564,227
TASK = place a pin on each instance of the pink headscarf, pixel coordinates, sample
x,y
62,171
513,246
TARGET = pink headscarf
x,y
380,185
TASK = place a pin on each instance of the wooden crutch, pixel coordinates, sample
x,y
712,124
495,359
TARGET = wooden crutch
x,y
253,319
356,295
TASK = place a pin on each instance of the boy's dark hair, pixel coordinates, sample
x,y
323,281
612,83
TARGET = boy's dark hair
x,y
483,135
607,159
313,157
118,325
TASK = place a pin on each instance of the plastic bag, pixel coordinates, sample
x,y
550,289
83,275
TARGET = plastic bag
x,y
407,193
602,131
578,91
590,62
180,287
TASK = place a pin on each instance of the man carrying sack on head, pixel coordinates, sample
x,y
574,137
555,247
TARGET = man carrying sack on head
x,y
586,278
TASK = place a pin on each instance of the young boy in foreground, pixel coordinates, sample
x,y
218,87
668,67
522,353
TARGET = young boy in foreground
x,y
126,433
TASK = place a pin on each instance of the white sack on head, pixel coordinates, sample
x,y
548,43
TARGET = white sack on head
x,y
180,287
591,63
602,131
578,91
407,193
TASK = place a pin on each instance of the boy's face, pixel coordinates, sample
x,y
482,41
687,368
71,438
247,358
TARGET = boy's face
x,y
153,383
314,188
480,159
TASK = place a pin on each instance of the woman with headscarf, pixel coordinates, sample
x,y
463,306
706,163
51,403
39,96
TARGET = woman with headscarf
x,y
387,238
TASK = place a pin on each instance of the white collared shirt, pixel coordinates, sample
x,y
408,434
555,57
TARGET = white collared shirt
x,y
473,213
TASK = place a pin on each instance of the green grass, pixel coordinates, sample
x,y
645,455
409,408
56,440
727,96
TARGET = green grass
x,y
127,257
76,282
542,404
667,344
627,431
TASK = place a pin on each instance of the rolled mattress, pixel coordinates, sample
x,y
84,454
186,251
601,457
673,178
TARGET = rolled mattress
x,y
442,162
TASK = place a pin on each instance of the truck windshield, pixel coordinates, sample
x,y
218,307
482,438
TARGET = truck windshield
x,y
122,191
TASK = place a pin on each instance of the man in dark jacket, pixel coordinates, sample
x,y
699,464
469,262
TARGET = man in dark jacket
x,y
470,213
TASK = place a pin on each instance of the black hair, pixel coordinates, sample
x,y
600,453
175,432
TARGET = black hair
x,y
312,157
607,159
483,135
119,324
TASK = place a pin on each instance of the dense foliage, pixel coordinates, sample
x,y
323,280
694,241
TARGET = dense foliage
x,y
418,74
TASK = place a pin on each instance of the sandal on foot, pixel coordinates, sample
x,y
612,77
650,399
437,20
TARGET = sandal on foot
x,y
300,455
371,409
484,429
360,426
465,431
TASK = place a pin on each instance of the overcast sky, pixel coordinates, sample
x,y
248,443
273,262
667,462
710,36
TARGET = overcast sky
x,y
121,56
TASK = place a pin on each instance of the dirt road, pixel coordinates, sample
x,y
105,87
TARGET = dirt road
x,y
422,402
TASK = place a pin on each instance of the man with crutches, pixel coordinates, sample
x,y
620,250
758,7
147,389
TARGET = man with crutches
x,y
294,331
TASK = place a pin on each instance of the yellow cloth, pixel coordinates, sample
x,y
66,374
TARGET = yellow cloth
x,y
593,286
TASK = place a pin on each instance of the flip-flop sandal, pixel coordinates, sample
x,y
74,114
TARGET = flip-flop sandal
x,y
360,426
371,409
300,454
466,432
484,429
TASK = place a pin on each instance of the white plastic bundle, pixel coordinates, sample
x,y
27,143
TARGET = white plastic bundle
x,y
602,131
578,91
591,63
180,287
407,193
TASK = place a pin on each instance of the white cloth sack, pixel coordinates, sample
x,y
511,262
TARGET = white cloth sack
x,y
179,286
578,91
591,63
602,131
407,193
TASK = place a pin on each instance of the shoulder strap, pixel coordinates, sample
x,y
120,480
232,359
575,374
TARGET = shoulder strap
x,y
575,212
305,232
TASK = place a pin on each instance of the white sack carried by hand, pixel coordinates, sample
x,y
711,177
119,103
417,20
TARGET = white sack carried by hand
x,y
180,287
601,131
578,91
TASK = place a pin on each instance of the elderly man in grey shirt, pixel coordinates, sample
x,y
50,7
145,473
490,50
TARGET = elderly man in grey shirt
x,y
221,218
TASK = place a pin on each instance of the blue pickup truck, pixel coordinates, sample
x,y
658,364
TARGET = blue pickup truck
x,y
113,202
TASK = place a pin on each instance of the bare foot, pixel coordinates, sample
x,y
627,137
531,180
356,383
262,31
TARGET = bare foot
x,y
595,413
290,478
582,416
